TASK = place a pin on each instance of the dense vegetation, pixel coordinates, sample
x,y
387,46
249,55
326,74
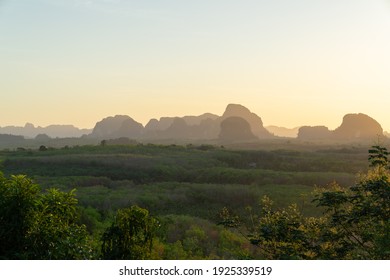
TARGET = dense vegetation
x,y
164,202
355,224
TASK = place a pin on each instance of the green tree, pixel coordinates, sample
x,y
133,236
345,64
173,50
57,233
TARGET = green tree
x,y
55,232
378,156
279,233
355,225
130,236
35,225
360,215
18,196
42,148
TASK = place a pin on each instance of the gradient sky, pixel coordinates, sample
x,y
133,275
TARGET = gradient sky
x,y
292,62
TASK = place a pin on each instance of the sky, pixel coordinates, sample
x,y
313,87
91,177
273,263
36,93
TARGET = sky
x,y
292,62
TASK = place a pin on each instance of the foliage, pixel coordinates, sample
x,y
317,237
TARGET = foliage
x,y
355,224
17,202
186,186
280,234
378,156
155,163
55,233
184,237
35,225
360,215
130,236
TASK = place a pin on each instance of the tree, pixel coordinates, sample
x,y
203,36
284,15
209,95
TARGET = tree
x,y
360,215
55,232
42,148
378,156
17,202
355,225
279,233
35,225
130,236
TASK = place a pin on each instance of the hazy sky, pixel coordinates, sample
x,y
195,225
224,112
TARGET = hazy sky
x,y
292,62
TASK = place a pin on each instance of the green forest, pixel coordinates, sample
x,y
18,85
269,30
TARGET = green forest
x,y
149,201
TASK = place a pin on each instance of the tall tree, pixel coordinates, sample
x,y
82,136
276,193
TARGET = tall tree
x,y
36,225
130,236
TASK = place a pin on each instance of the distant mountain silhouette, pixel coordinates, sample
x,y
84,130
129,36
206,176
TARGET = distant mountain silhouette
x,y
255,122
116,127
358,126
283,131
205,126
187,127
53,131
353,127
236,129
179,129
159,125
314,133
130,128
233,125
165,122
197,120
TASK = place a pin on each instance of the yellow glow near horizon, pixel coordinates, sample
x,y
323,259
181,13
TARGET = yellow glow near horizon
x,y
292,63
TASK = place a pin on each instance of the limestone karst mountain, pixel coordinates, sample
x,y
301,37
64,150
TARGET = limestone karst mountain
x,y
353,127
358,126
197,120
166,122
117,126
236,129
205,127
130,128
159,125
255,122
187,127
179,129
209,126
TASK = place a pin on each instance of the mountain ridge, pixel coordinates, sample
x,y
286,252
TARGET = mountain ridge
x,y
53,131
207,126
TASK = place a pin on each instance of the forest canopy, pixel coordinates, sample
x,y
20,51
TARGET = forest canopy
x,y
49,223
